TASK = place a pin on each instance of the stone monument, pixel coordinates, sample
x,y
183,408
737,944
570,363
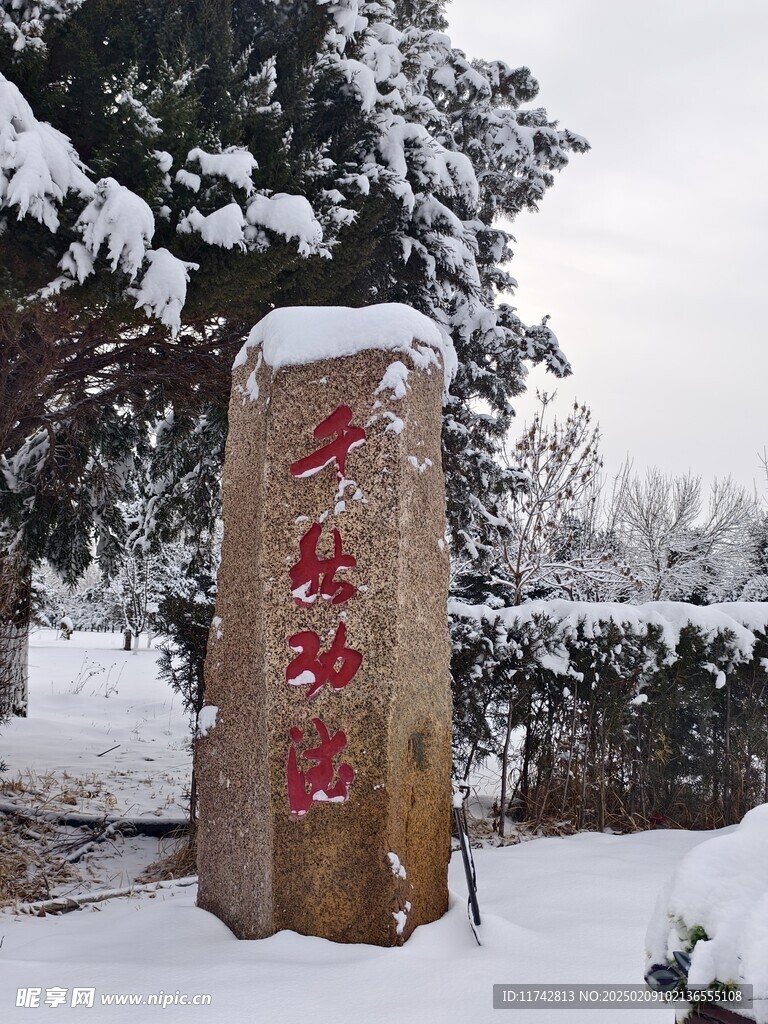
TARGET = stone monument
x,y
323,753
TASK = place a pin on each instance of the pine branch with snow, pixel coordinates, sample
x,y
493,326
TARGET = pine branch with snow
x,y
25,20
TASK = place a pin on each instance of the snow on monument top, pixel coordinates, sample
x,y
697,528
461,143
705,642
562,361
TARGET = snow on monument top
x,y
307,334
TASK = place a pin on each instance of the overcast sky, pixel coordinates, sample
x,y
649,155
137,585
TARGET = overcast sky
x,y
650,252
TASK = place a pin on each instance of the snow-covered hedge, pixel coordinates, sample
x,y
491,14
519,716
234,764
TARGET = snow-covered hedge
x,y
715,909
616,713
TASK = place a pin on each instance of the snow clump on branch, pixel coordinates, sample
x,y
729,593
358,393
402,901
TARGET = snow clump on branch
x,y
24,22
38,165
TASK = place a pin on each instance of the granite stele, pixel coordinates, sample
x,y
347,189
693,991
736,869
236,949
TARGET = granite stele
x,y
323,755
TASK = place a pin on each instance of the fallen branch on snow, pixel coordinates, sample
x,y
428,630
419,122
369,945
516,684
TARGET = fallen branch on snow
x,y
65,904
158,827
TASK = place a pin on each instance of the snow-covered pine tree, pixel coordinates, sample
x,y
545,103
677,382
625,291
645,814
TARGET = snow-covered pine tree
x,y
458,150
24,20
240,156
61,493
80,361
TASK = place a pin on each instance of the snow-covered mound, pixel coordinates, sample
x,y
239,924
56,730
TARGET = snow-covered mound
x,y
715,905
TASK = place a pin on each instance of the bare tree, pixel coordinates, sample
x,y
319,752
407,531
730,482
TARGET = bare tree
x,y
555,539
678,548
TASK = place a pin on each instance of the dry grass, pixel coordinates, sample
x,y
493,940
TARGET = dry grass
x,y
31,865
179,862
34,852
48,792
483,822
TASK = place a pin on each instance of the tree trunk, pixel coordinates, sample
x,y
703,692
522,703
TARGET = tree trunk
x,y
193,813
728,773
524,782
504,773
569,766
15,609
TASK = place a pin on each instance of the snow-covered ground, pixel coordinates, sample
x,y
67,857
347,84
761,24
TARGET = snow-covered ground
x,y
560,910
104,737
87,695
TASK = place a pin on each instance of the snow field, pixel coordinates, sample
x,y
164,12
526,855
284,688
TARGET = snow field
x,y
561,910
88,695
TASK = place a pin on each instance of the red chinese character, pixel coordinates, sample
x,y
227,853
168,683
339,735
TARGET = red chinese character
x,y
306,582
347,438
309,668
316,783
